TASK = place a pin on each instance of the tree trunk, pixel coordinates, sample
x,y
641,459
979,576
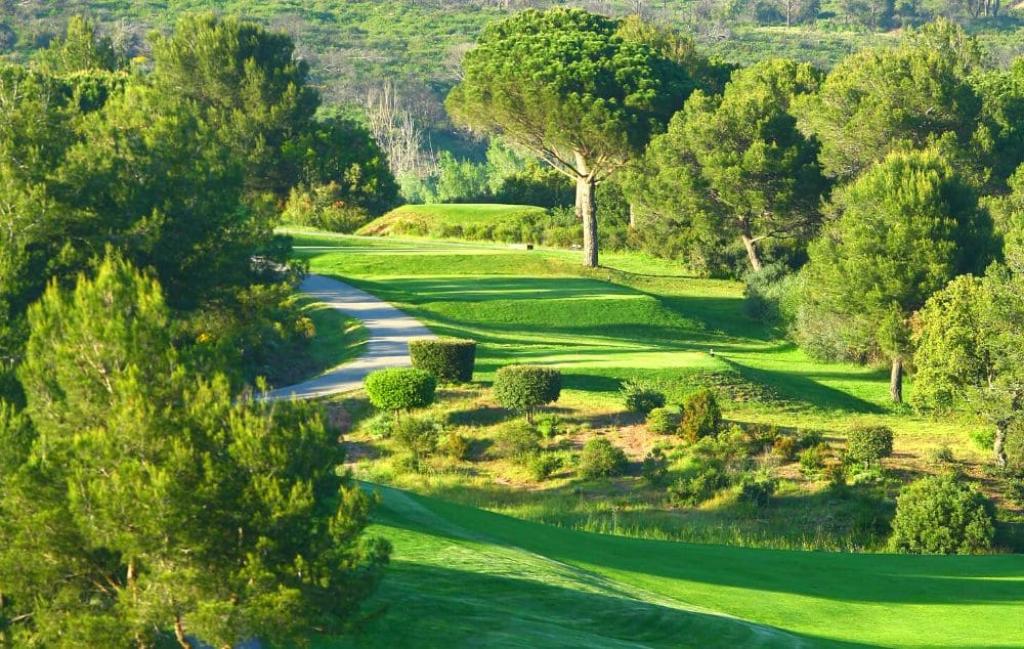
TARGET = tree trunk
x,y
586,205
751,246
896,380
999,443
589,213
632,217
179,634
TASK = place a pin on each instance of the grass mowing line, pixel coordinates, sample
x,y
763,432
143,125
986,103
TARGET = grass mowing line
x,y
465,577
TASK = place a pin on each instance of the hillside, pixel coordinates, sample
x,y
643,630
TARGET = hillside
x,y
354,45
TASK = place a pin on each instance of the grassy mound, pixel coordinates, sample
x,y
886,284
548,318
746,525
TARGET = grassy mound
x,y
448,220
466,577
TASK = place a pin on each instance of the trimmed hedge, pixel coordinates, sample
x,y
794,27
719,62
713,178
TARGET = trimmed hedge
x,y
451,360
523,388
400,388
869,444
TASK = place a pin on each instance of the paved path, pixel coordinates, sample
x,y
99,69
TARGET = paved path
x,y
388,345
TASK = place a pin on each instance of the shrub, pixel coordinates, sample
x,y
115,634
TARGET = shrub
x,y
812,460
1013,489
418,436
784,448
693,489
654,468
450,360
524,388
641,398
549,426
601,459
400,389
542,465
942,515
757,488
869,444
517,441
455,446
701,416
942,455
664,421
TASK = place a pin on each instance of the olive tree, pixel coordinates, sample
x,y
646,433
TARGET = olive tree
x,y
903,230
567,86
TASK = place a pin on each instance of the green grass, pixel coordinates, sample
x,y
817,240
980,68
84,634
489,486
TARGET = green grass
x,y
338,340
636,317
424,219
462,577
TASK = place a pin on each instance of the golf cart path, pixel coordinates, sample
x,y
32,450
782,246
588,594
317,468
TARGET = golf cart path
x,y
390,331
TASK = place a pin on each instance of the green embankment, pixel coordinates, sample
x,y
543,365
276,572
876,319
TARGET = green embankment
x,y
435,220
463,577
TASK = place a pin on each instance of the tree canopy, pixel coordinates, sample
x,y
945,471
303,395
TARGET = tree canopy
x,y
736,163
150,505
902,231
567,86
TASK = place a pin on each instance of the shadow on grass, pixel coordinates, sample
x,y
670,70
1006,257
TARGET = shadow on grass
x,y
842,577
509,600
798,387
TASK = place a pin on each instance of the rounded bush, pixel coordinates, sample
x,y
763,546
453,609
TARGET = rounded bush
x,y
400,389
663,421
601,459
942,515
702,416
523,388
869,444
641,398
451,360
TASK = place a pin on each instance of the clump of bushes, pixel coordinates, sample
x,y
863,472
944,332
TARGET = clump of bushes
x,y
601,459
455,446
417,436
400,389
702,416
517,441
549,426
640,398
699,485
524,388
757,488
812,460
450,360
542,465
869,444
654,467
942,515
664,421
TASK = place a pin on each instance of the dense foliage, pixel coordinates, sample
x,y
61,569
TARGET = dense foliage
x,y
524,388
903,230
142,504
869,444
400,389
942,515
701,417
565,85
601,459
448,359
